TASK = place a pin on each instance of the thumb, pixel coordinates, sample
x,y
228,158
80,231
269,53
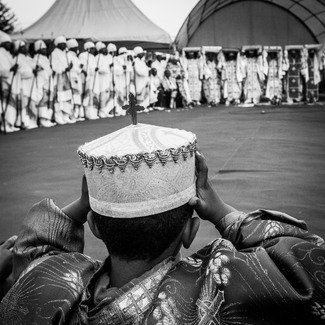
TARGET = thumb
x,y
197,204
201,170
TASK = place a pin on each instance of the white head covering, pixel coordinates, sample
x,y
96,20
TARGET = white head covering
x,y
100,45
111,47
140,170
60,39
4,37
18,44
137,50
122,50
131,52
39,45
71,43
88,45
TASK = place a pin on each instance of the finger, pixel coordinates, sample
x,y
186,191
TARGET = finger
x,y
193,201
201,169
10,242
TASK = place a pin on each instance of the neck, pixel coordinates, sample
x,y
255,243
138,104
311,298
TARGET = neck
x,y
122,271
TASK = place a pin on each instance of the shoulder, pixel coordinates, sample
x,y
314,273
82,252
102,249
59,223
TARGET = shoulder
x,y
59,279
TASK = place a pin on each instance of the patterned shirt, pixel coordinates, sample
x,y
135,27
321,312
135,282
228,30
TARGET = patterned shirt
x,y
266,269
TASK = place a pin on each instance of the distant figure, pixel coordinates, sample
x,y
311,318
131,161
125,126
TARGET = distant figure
x,y
141,78
24,88
253,76
43,84
8,68
274,73
231,76
63,100
193,66
88,62
313,72
103,81
76,78
293,64
211,82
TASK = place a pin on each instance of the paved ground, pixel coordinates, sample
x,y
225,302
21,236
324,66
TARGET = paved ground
x,y
272,158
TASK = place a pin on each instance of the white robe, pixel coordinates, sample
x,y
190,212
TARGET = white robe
x,y
141,81
6,62
89,65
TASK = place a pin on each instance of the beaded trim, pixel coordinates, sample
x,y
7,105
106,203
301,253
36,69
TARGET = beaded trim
x,y
111,163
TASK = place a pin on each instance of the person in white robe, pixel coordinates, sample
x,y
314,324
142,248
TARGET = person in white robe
x,y
43,84
88,61
76,78
63,101
231,76
193,67
112,49
123,72
141,78
211,82
273,70
156,91
24,89
170,91
8,69
103,81
160,65
253,75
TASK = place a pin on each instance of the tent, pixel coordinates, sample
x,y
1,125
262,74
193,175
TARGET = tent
x,y
117,21
234,23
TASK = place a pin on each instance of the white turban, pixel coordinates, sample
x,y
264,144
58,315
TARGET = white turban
x,y
18,44
4,38
111,47
39,45
88,45
60,39
71,43
100,45
137,50
122,50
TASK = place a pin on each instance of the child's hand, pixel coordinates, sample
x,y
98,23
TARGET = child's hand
x,y
84,193
207,203
78,209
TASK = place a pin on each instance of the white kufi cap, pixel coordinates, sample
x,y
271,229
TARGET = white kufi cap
x,y
4,37
60,39
100,45
18,44
71,43
88,45
111,47
39,45
122,50
140,170
137,50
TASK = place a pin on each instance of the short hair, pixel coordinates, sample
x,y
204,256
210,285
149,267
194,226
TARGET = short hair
x,y
143,238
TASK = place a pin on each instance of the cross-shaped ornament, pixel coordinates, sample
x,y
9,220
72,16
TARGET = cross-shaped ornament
x,y
132,108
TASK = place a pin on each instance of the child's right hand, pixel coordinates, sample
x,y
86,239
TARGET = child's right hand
x,y
207,203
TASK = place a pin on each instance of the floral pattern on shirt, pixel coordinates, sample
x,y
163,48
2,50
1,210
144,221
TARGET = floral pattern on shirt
x,y
220,273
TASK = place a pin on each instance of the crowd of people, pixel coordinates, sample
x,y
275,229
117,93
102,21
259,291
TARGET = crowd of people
x,y
63,86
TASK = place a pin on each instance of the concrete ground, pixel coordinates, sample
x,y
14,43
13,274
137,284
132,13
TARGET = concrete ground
x,y
258,157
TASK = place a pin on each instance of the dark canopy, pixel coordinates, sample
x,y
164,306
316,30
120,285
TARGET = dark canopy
x,y
233,23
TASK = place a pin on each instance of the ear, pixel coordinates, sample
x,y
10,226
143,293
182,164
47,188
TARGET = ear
x,y
190,229
92,224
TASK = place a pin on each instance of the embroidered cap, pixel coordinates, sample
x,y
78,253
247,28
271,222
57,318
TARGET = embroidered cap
x,y
139,170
